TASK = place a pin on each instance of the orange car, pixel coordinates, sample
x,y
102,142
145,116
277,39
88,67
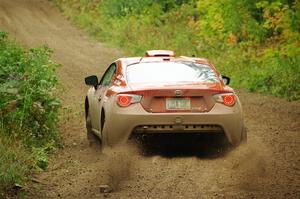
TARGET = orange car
x,y
161,93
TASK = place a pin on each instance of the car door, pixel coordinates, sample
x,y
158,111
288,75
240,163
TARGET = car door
x,y
99,97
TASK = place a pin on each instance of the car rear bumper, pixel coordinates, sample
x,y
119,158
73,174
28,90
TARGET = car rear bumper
x,y
122,122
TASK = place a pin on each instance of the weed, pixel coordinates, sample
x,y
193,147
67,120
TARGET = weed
x,y
28,111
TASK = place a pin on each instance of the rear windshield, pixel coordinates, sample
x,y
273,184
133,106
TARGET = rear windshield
x,y
170,72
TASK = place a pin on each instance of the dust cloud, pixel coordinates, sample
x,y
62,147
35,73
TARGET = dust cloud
x,y
119,163
250,165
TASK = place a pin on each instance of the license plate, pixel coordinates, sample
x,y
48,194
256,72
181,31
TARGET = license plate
x,y
178,104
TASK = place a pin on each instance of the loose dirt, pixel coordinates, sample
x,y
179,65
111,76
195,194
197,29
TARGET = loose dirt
x,y
267,167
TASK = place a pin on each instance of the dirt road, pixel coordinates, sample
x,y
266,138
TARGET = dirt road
x,y
267,167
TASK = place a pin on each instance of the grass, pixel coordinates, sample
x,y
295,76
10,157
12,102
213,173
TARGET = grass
x,y
29,111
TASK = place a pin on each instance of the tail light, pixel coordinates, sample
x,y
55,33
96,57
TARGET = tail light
x,y
227,99
125,100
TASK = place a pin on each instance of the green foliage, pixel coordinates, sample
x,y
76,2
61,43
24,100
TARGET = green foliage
x,y
256,42
28,110
15,163
27,101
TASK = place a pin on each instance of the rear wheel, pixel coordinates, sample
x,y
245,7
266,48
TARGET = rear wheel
x,y
92,138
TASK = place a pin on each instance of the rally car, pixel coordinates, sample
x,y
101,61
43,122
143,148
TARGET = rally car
x,y
160,93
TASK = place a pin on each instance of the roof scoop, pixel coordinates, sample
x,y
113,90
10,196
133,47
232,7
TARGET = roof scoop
x,y
160,53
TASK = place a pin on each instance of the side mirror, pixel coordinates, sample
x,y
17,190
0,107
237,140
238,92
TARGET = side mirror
x,y
226,80
91,80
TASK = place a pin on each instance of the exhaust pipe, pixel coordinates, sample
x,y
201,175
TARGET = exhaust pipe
x,y
144,137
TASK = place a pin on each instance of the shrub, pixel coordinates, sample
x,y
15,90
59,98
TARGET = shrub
x,y
28,110
256,42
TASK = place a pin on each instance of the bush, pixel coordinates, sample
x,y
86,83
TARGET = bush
x,y
256,42
28,110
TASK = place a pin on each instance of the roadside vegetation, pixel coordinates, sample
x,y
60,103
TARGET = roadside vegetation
x,y
28,112
255,42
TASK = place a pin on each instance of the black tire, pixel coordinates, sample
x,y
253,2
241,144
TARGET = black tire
x,y
92,138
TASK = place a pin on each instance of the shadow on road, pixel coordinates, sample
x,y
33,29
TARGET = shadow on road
x,y
204,146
